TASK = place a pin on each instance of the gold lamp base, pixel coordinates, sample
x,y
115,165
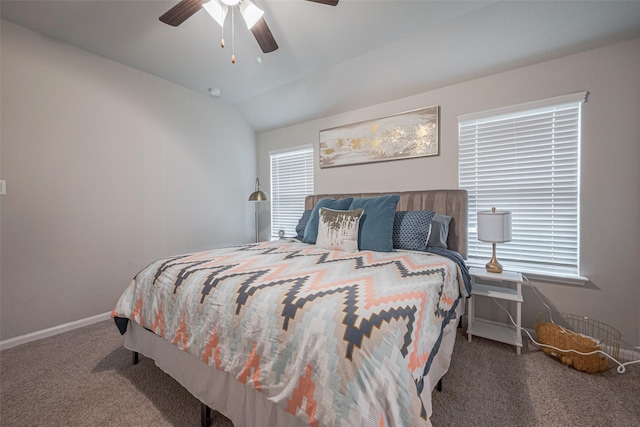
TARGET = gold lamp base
x,y
493,266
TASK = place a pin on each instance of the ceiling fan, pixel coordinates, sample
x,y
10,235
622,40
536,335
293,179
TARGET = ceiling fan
x,y
219,9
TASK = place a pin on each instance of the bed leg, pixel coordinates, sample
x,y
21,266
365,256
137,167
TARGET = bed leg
x,y
135,358
205,415
439,385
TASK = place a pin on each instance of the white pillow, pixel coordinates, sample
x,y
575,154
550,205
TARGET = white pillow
x,y
339,229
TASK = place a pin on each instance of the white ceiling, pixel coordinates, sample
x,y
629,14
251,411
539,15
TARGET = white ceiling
x,y
331,59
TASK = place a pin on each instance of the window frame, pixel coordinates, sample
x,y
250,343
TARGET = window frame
x,y
307,188
548,272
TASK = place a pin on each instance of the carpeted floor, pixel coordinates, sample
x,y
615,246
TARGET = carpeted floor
x,y
85,378
489,385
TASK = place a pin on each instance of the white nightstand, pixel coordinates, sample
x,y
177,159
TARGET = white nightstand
x,y
506,286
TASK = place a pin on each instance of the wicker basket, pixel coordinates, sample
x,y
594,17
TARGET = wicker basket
x,y
579,333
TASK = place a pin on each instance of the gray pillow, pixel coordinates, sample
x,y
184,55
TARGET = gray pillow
x,y
439,231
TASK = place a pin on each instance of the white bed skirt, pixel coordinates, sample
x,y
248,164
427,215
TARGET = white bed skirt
x,y
243,405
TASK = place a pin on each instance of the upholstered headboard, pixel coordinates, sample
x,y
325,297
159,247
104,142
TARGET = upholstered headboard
x,y
445,202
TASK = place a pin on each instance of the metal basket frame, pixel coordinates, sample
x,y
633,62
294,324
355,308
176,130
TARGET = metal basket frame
x,y
606,337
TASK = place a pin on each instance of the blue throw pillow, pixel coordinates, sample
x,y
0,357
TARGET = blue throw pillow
x,y
311,230
376,225
411,230
302,224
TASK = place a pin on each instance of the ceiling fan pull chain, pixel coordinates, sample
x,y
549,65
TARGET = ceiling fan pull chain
x,y
222,35
233,38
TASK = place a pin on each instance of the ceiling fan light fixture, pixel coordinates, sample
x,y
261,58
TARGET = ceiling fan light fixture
x,y
250,12
217,10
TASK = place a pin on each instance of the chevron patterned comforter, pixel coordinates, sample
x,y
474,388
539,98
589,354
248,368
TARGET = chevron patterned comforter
x,y
336,338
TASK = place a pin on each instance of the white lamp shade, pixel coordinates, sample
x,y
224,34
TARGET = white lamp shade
x,y
217,10
494,226
250,12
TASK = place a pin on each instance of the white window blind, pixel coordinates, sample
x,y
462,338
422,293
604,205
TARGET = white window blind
x,y
526,159
291,181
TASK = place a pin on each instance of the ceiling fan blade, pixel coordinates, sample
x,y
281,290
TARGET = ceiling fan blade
x,y
328,2
264,37
180,12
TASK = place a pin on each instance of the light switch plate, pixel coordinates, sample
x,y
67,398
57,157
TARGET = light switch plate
x,y
3,187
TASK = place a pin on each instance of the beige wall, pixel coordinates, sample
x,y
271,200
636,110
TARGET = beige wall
x,y
610,174
107,169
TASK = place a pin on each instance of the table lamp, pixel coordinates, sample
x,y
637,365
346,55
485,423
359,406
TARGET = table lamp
x,y
495,227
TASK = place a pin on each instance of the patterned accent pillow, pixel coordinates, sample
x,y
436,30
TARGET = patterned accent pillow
x,y
439,231
311,230
411,230
339,229
302,224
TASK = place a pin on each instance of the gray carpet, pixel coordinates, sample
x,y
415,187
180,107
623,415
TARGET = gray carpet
x,y
44,383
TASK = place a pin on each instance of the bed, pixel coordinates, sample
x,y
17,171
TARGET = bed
x,y
293,333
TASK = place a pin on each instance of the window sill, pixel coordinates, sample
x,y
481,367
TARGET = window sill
x,y
538,276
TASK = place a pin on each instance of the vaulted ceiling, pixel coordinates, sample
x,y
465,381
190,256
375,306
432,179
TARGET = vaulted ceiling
x,y
330,59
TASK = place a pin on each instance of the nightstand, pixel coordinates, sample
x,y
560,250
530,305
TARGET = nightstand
x,y
505,286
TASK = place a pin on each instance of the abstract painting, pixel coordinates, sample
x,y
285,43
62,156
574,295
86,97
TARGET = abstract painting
x,y
400,136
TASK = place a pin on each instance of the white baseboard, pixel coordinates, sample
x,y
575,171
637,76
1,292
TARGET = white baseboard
x,y
33,336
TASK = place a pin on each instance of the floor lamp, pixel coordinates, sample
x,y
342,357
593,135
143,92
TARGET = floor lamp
x,y
258,196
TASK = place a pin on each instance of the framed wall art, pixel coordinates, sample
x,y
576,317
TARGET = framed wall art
x,y
400,136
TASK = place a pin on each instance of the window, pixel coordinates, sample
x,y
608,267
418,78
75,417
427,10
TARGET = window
x,y
291,181
526,159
